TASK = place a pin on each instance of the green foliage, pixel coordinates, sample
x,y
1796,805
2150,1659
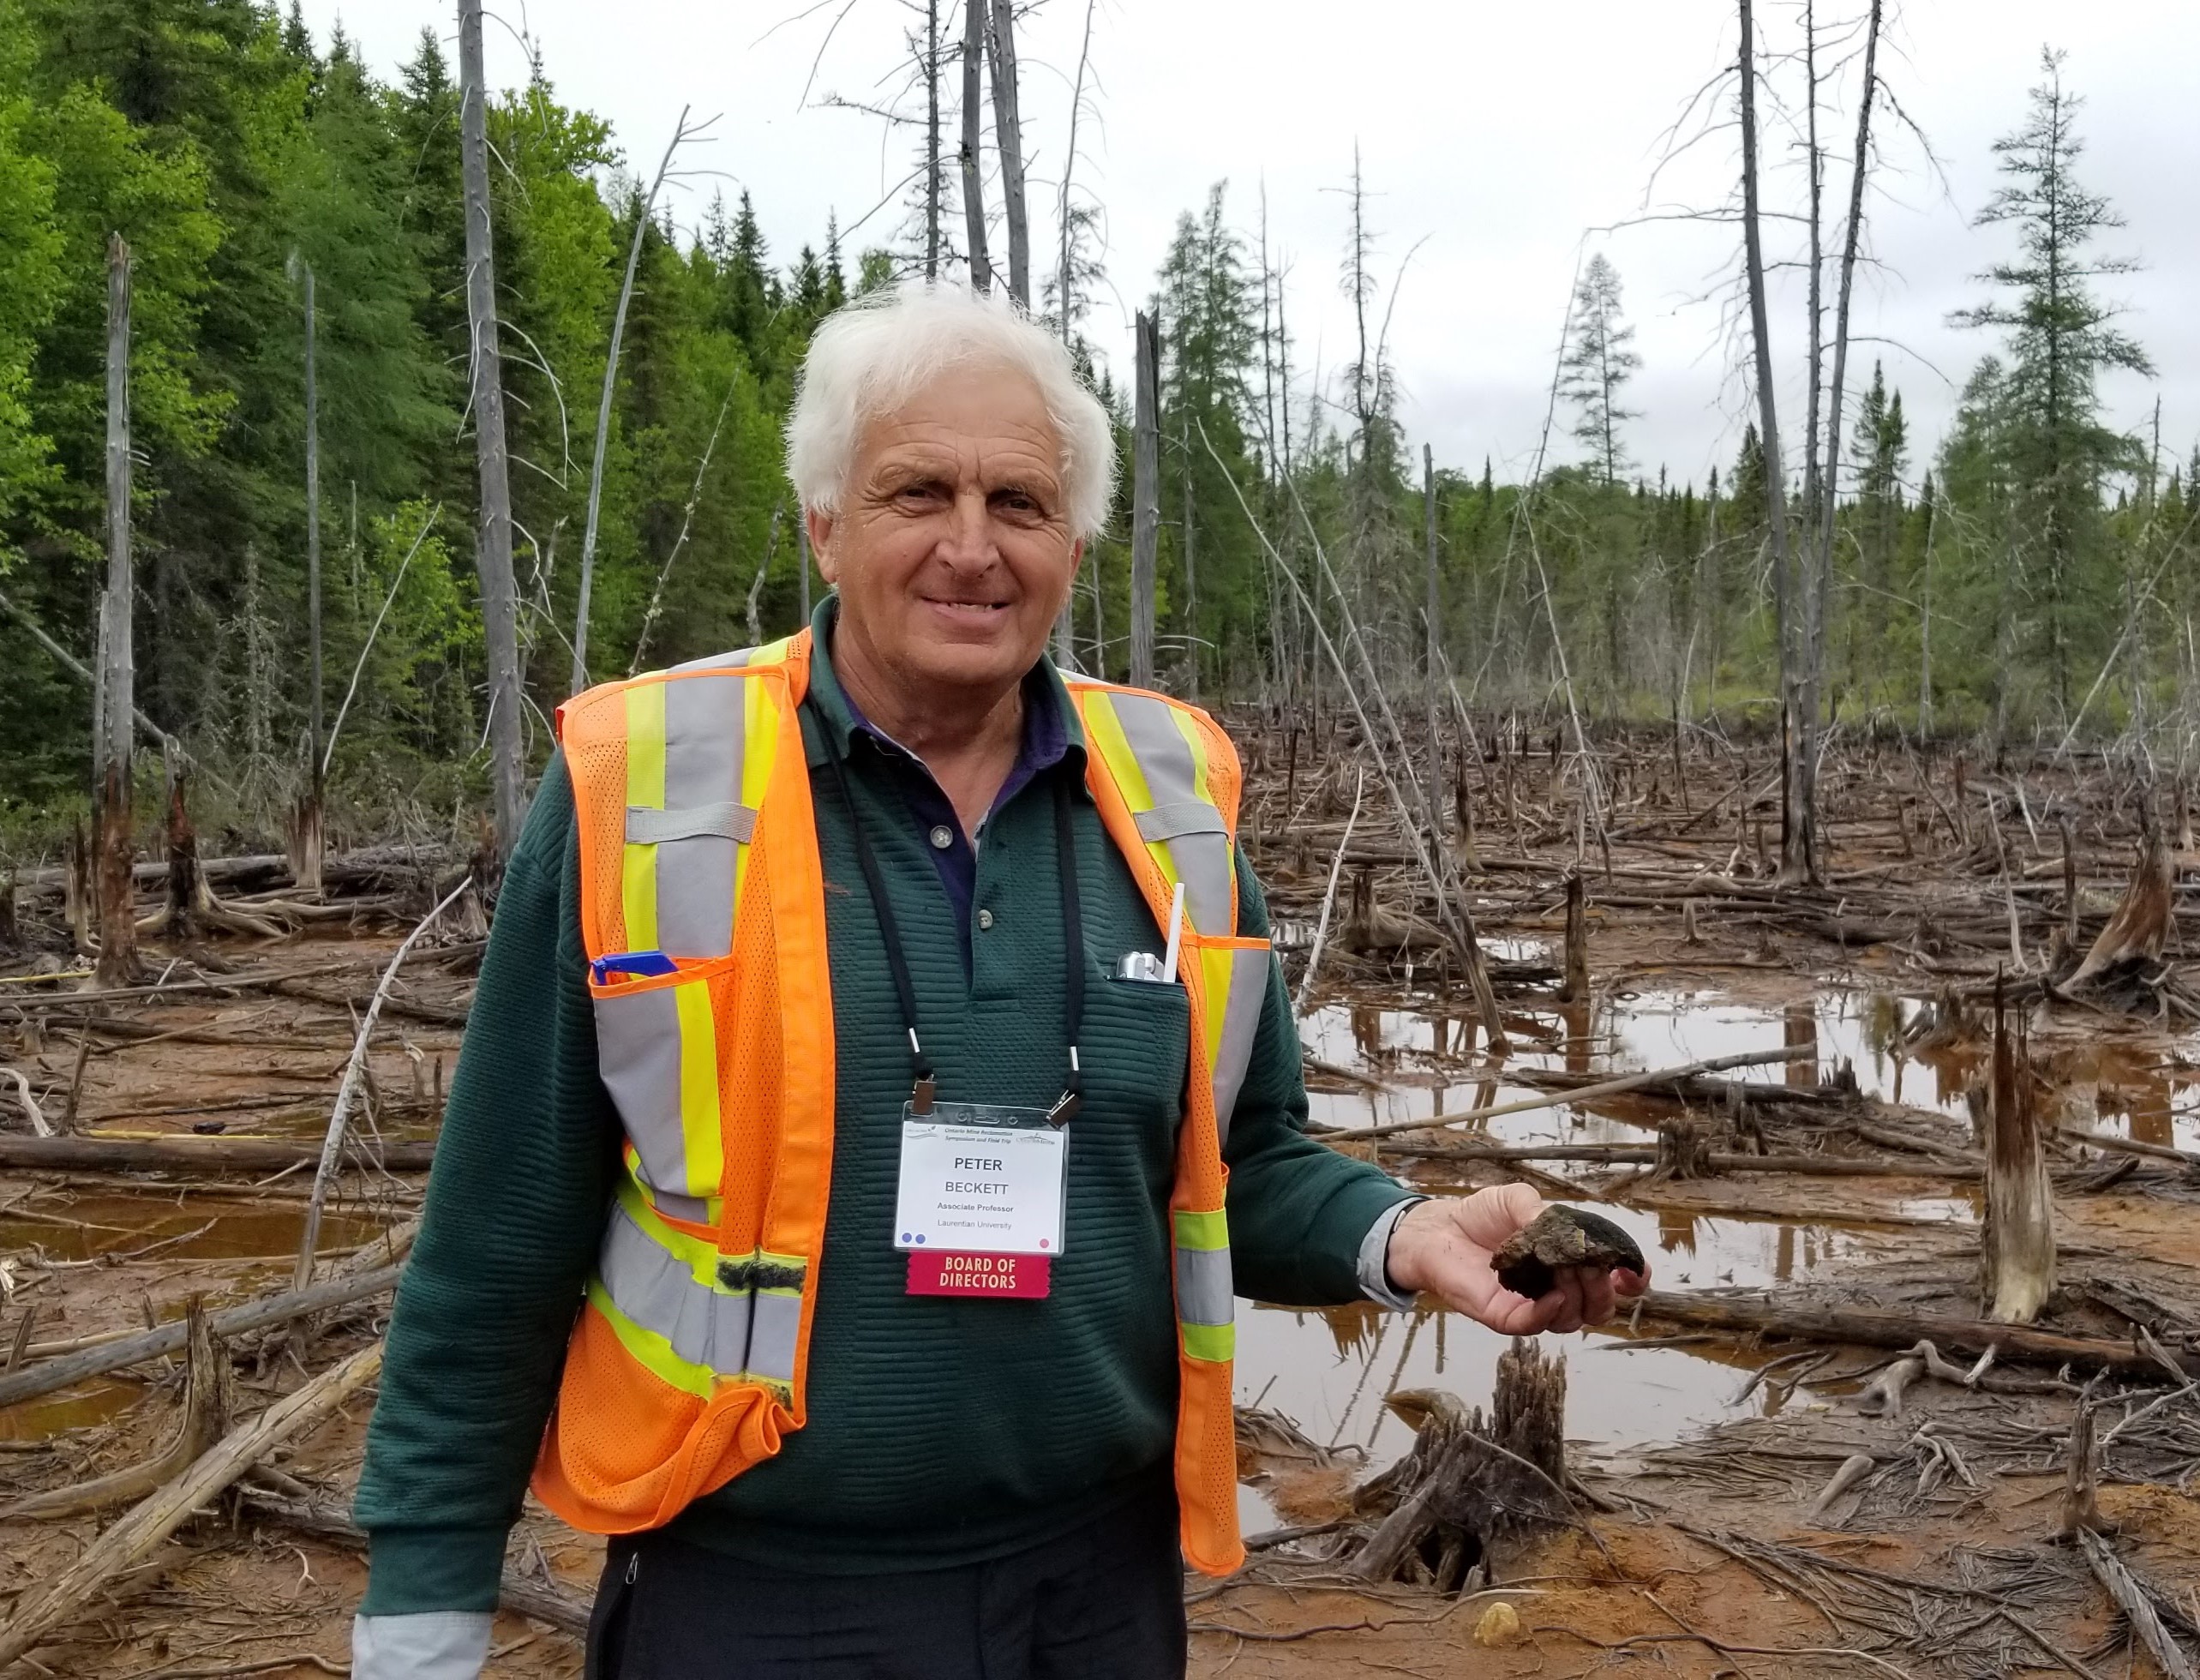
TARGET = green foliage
x,y
1600,358
2039,552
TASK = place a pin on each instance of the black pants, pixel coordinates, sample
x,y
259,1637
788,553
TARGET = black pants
x,y
1104,1602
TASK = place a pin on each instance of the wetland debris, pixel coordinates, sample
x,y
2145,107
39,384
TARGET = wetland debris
x,y
202,1416
45,1606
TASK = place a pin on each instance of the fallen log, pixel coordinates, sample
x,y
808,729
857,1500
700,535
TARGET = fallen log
x,y
2139,1603
1631,1082
142,1345
1644,1154
567,1613
45,1607
1873,1327
189,1155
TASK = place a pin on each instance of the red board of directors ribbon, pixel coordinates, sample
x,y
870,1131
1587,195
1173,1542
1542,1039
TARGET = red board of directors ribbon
x,y
993,1276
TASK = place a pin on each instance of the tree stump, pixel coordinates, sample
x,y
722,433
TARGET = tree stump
x,y
1469,1486
2124,968
2016,1247
1575,990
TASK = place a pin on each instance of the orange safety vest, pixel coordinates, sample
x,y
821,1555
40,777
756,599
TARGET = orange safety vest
x,y
688,1361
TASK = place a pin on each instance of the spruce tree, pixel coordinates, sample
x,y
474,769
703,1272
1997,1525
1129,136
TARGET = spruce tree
x,y
1600,359
2060,342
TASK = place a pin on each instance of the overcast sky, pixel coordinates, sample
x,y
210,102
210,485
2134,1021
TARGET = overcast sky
x,y
1492,139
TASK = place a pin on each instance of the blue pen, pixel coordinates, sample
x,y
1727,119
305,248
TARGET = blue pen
x,y
636,962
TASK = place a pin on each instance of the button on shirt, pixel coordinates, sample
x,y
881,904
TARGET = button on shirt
x,y
1045,741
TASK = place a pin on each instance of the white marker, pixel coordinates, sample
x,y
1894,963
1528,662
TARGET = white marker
x,y
1176,937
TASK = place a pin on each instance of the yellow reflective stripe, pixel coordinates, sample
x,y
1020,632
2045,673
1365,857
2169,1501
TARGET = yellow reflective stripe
x,y
760,751
1216,963
1196,740
1196,1229
699,1091
697,1254
638,867
1214,1343
652,1351
1104,734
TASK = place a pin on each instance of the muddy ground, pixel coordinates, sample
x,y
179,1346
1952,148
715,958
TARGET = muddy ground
x,y
1694,1540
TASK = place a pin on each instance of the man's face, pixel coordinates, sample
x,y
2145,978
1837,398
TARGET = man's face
x,y
952,550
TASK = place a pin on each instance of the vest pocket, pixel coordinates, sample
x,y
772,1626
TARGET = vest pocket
x,y
656,1041
1135,1042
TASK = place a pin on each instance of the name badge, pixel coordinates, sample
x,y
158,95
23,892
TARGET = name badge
x,y
979,1210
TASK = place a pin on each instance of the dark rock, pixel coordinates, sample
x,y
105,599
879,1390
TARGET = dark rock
x,y
1529,1261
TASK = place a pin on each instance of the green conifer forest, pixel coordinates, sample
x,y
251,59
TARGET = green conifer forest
x,y
2030,574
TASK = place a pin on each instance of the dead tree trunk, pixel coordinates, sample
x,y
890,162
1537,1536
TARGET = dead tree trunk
x,y
603,409
973,183
1796,818
1432,660
2016,1245
935,176
186,880
493,533
1575,989
1850,236
1008,139
116,711
306,839
1145,499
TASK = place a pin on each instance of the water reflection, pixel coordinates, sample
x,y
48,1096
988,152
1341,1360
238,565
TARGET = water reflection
x,y
80,1407
88,1227
1429,1060
1328,1370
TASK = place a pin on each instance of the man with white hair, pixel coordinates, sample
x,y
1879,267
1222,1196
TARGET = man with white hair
x,y
880,1085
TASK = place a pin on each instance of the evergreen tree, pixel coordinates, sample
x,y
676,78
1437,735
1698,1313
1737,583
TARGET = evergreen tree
x,y
1600,358
2060,342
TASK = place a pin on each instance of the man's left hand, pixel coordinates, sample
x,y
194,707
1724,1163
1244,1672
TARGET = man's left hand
x,y
1445,1244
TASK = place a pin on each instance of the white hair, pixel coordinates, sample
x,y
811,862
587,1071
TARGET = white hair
x,y
878,350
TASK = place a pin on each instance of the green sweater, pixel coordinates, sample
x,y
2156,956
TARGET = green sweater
x,y
941,1432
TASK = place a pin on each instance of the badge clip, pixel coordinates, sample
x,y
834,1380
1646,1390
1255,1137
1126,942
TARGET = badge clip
x,y
922,1094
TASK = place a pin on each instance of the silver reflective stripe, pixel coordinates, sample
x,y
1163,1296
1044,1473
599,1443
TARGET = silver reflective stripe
x,y
693,1208
775,1331
1201,857
1241,1021
726,820
704,722
718,662
649,1284
1203,1293
1189,816
638,1052
429,1645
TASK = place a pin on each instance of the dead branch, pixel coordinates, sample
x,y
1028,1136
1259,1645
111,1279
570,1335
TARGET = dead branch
x,y
45,1607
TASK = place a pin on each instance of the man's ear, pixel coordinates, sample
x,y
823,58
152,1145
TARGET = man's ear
x,y
822,524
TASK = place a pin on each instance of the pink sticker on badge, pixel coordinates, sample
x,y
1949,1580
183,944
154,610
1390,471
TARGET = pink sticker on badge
x,y
994,1275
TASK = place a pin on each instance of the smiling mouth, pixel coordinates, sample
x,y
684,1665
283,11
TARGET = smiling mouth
x,y
975,608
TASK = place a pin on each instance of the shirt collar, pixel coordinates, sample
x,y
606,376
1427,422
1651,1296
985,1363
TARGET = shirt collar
x,y
1052,731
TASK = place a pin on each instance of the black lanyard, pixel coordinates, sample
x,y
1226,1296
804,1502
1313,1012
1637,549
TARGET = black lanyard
x,y
924,1084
